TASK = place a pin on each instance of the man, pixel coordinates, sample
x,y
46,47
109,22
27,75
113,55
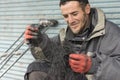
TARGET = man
x,y
94,44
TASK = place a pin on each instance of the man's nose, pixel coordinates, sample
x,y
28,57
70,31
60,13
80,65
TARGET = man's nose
x,y
70,19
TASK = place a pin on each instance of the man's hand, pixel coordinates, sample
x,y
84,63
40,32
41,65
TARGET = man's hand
x,y
31,33
80,63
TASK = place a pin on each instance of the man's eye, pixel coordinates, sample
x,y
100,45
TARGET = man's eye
x,y
74,14
65,16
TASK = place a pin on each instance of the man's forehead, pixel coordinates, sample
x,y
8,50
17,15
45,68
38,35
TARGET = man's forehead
x,y
70,7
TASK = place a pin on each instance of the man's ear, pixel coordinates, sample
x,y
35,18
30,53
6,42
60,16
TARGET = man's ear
x,y
87,9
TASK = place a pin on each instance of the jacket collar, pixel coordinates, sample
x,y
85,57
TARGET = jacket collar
x,y
98,21
99,29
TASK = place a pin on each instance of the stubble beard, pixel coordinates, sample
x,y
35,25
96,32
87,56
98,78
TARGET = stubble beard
x,y
82,25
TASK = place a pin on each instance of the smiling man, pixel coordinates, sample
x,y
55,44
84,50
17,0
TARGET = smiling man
x,y
90,45
76,16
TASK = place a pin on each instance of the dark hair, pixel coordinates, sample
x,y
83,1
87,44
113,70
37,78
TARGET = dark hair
x,y
62,2
83,3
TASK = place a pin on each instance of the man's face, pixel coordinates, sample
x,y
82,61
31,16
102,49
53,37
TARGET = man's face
x,y
75,16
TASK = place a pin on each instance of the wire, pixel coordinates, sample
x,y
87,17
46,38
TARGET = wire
x,y
17,48
10,48
13,63
11,54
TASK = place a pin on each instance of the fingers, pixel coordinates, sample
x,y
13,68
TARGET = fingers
x,y
78,70
78,62
30,32
78,57
32,28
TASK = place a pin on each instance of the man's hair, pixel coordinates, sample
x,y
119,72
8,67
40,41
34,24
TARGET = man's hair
x,y
62,2
83,3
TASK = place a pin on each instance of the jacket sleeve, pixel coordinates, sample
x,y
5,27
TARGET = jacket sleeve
x,y
109,57
43,50
106,62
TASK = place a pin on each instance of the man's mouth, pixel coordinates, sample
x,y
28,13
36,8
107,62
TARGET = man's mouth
x,y
74,26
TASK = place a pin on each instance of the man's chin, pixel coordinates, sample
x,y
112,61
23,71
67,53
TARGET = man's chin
x,y
75,32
